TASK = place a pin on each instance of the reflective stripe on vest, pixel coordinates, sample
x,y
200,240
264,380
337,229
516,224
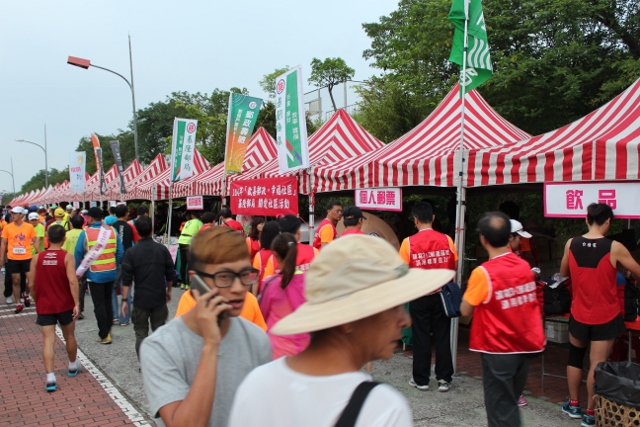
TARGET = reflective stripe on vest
x,y
107,259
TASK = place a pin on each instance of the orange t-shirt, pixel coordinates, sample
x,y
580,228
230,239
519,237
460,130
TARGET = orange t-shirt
x,y
477,287
19,240
250,308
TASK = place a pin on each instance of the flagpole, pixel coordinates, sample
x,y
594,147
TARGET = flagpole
x,y
461,193
311,205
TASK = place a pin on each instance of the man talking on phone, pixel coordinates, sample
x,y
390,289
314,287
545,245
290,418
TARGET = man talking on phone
x,y
192,366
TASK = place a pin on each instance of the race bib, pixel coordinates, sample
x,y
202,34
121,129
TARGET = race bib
x,y
19,250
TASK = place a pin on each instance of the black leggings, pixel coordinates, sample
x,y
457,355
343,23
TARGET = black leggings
x,y
184,261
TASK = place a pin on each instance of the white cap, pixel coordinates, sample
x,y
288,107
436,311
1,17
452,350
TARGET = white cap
x,y
69,207
17,210
516,227
34,215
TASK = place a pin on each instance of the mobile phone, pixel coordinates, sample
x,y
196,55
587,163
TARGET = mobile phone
x,y
198,284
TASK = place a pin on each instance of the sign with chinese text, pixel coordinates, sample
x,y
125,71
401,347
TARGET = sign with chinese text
x,y
570,200
243,114
77,165
291,123
265,197
195,203
183,145
76,205
380,199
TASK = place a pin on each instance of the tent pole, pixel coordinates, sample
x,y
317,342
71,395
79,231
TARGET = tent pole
x,y
169,215
312,203
461,193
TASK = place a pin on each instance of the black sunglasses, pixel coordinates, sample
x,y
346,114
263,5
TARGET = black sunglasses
x,y
224,279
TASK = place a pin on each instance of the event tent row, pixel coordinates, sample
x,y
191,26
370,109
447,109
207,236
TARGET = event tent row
x,y
343,156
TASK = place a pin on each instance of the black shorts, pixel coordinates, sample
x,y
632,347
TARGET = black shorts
x,y
18,266
63,318
604,332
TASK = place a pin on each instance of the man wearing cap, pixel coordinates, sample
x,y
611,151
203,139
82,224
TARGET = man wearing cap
x,y
507,324
429,249
353,220
326,232
355,313
18,238
34,219
58,218
98,254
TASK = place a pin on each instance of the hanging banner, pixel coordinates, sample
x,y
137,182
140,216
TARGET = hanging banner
x,y
265,197
291,123
97,151
195,203
570,199
115,148
77,165
183,145
380,199
243,114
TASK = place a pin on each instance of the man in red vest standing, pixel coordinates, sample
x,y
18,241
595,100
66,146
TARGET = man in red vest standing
x,y
326,231
507,324
429,249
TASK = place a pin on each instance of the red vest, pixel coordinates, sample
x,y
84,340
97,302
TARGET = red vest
x,y
254,246
306,254
430,249
52,284
593,281
510,320
352,231
263,256
317,242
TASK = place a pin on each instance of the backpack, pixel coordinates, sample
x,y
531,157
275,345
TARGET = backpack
x,y
451,296
556,300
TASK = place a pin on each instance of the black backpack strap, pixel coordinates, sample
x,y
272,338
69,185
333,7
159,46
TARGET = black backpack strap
x,y
350,414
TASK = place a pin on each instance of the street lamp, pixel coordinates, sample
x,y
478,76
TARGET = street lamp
x,y
46,161
12,178
85,63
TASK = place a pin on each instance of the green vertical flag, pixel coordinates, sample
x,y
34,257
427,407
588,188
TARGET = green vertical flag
x,y
479,68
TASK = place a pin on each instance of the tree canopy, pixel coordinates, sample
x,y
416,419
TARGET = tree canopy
x,y
330,72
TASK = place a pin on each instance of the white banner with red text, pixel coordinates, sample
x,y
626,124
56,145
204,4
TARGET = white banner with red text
x,y
379,199
570,200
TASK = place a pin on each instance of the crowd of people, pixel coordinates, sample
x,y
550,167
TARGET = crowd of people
x,y
285,328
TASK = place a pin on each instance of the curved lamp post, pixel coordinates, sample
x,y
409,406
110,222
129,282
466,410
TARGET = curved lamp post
x,y
46,161
12,178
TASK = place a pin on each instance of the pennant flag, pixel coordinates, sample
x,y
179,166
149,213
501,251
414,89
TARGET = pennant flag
x,y
183,147
99,165
115,148
291,122
478,65
243,114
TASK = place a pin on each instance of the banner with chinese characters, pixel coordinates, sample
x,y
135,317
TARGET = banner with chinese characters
x,y
570,200
291,123
183,146
265,197
380,199
77,166
243,114
195,203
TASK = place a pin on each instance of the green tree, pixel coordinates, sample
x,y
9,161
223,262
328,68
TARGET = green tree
x,y
328,73
268,82
37,181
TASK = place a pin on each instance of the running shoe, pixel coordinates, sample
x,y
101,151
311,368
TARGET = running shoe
x,y
182,286
74,372
19,309
419,387
27,300
124,324
572,411
9,300
51,387
443,386
522,401
587,421
105,340
115,321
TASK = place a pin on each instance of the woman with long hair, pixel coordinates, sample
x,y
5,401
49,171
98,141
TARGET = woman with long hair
x,y
270,230
253,239
282,294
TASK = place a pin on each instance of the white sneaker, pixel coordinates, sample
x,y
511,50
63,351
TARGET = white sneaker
x,y
443,386
9,300
419,387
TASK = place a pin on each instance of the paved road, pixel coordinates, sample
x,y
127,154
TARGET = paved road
x,y
95,402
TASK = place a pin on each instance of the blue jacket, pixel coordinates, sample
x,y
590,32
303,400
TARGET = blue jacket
x,y
103,276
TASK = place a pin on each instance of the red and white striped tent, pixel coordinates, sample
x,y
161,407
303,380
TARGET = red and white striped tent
x,y
152,171
425,156
130,174
337,140
260,149
604,145
145,190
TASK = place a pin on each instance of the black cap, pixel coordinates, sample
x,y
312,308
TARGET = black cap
x,y
353,212
95,213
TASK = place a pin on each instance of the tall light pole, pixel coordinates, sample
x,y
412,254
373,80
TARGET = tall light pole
x,y
85,63
12,178
46,160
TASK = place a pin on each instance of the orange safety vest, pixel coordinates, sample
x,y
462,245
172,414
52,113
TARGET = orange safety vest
x,y
107,259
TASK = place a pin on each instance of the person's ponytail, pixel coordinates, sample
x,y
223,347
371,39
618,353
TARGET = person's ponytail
x,y
285,246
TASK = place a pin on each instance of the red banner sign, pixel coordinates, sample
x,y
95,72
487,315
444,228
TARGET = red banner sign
x,y
265,197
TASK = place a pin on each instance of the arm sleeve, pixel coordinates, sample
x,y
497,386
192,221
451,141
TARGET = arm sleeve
x,y
127,268
404,251
477,287
326,234
270,269
452,246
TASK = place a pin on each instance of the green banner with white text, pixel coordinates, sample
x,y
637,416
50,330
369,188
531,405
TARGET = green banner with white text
x,y
243,114
183,145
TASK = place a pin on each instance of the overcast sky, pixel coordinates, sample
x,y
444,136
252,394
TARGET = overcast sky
x,y
186,45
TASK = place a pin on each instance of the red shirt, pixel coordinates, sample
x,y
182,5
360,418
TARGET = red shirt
x,y
351,231
235,225
593,281
52,285
317,240
508,320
